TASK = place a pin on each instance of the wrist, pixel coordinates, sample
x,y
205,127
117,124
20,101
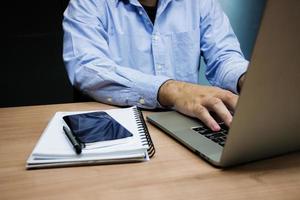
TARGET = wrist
x,y
240,82
167,93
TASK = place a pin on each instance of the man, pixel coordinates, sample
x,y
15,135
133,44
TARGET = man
x,y
147,53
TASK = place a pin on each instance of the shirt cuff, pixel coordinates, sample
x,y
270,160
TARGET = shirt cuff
x,y
148,92
231,78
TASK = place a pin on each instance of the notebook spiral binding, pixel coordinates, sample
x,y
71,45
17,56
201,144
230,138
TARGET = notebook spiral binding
x,y
143,131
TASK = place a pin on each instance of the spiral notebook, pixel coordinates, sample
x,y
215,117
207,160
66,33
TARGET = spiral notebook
x,y
111,136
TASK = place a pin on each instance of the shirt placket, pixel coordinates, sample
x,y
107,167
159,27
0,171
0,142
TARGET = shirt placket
x,y
158,52
149,26
157,41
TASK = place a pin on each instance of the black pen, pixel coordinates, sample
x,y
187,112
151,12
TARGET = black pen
x,y
73,140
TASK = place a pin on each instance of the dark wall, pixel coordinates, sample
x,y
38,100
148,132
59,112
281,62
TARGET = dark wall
x,y
33,71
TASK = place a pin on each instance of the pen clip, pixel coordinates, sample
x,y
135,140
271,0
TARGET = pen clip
x,y
75,141
80,142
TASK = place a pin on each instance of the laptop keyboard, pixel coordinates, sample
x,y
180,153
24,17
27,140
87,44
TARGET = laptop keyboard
x,y
217,137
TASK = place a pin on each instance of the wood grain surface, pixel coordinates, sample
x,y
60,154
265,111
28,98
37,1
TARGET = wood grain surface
x,y
173,173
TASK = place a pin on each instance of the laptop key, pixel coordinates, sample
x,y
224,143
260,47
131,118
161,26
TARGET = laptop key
x,y
222,143
217,140
225,132
217,137
223,126
198,129
202,130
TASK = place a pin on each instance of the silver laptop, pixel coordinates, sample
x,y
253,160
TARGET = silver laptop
x,y
266,122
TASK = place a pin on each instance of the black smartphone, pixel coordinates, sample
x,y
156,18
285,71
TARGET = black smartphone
x,y
95,127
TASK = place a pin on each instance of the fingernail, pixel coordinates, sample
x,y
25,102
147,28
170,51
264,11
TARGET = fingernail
x,y
216,127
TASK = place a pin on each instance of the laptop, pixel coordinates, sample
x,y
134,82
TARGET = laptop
x,y
266,121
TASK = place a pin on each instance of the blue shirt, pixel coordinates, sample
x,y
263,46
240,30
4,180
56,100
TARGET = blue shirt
x,y
115,54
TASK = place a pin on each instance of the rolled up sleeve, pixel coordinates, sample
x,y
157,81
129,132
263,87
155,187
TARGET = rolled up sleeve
x,y
220,47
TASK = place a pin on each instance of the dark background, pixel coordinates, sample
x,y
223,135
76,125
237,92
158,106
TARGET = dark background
x,y
33,71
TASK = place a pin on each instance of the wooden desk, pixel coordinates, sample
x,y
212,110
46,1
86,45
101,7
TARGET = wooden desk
x,y
173,173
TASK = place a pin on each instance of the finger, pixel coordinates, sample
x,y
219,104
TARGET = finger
x,y
229,99
216,105
202,113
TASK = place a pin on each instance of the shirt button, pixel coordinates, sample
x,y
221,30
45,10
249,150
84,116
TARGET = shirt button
x,y
109,99
159,67
140,12
142,101
155,37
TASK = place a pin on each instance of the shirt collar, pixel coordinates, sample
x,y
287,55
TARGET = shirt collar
x,y
136,2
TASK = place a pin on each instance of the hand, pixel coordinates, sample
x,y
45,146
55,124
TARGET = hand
x,y
196,101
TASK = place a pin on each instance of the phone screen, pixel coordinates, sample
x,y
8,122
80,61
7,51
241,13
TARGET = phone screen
x,y
95,127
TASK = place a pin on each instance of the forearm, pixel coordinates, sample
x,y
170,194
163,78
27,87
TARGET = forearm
x,y
119,85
